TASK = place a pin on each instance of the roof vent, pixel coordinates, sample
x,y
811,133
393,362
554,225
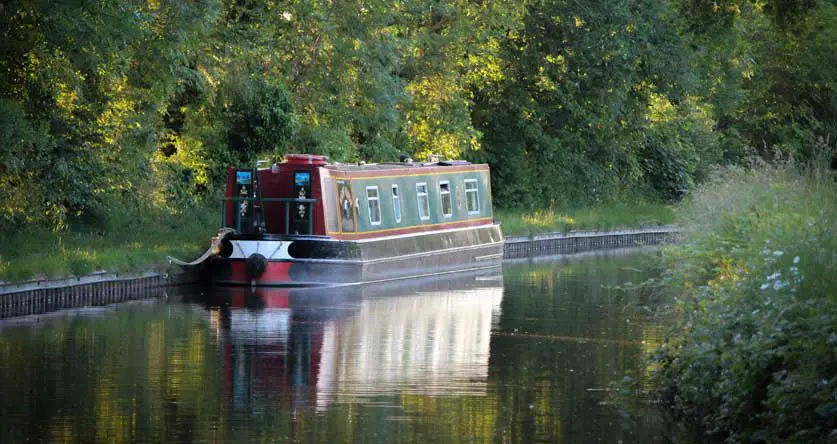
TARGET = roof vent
x,y
306,159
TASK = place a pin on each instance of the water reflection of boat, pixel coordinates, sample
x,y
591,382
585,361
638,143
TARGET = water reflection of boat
x,y
302,347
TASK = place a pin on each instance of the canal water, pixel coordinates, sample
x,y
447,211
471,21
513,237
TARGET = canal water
x,y
529,353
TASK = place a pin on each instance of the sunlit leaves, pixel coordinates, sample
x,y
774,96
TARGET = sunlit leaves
x,y
572,103
92,77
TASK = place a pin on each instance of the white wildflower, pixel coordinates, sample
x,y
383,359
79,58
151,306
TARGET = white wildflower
x,y
764,286
796,260
774,276
778,253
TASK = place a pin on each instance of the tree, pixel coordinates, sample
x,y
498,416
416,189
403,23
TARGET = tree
x,y
573,104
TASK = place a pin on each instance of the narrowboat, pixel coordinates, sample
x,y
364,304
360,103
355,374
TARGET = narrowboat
x,y
308,222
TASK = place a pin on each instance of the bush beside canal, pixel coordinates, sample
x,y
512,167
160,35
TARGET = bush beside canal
x,y
752,356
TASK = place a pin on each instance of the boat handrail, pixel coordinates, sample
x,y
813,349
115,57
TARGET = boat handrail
x,y
271,199
284,200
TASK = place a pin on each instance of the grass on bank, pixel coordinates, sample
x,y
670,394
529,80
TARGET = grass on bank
x,y
131,245
752,357
602,217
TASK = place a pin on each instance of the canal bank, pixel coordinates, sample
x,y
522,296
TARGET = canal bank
x,y
42,296
550,244
97,289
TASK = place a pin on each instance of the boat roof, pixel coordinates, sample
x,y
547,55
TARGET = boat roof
x,y
350,167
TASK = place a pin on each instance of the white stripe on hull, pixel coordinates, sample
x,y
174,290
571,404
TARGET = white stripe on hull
x,y
272,250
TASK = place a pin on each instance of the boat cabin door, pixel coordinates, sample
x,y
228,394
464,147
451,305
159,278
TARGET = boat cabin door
x,y
248,214
243,201
300,219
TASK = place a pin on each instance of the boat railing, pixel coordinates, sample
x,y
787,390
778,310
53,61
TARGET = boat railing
x,y
288,203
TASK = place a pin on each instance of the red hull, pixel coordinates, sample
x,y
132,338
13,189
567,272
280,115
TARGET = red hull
x,y
276,273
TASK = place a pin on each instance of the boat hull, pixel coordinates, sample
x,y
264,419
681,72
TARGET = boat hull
x,y
324,261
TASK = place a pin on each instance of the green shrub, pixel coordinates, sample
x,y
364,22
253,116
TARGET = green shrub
x,y
259,115
753,355
677,147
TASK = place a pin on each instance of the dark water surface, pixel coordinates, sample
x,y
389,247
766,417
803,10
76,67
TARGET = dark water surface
x,y
528,354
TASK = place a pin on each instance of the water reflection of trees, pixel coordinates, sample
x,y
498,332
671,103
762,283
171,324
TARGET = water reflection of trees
x,y
124,376
449,363
569,330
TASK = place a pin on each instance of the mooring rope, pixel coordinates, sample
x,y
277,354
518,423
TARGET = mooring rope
x,y
216,241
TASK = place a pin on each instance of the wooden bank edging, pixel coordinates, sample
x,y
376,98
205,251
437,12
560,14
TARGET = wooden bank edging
x,y
37,297
549,244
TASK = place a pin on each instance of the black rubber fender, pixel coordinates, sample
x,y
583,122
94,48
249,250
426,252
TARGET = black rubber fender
x,y
225,249
256,265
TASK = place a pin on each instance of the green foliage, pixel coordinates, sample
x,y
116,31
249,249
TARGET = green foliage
x,y
259,116
21,193
87,80
767,75
751,358
707,16
679,147
334,143
581,84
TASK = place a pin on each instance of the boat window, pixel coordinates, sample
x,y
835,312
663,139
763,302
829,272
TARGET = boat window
x,y
472,200
444,198
374,205
423,202
396,204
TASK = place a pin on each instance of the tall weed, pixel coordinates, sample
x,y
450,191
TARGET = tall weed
x,y
752,357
